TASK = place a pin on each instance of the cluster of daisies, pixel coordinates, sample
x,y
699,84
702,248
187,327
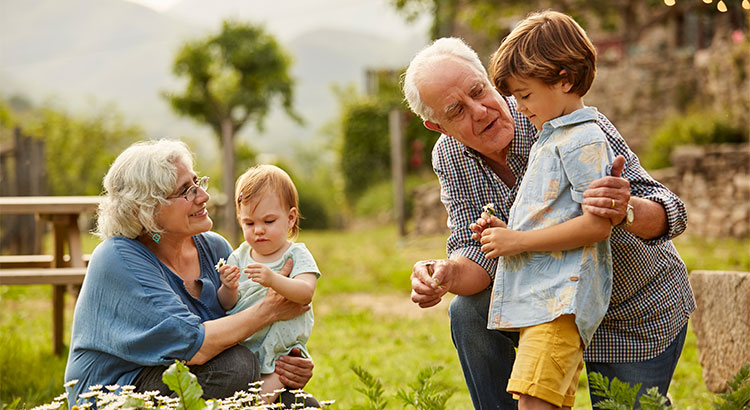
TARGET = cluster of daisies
x,y
114,397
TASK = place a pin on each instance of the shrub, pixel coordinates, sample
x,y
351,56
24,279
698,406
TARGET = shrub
x,y
697,128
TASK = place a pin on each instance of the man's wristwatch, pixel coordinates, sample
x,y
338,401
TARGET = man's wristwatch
x,y
629,217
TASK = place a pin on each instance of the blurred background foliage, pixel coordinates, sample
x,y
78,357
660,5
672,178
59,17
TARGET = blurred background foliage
x,y
79,147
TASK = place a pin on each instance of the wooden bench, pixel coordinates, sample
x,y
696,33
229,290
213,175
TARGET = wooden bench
x,y
59,278
34,261
42,276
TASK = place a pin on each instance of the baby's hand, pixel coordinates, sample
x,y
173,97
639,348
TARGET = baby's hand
x,y
230,276
260,273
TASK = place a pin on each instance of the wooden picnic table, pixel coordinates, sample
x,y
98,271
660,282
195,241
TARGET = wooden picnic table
x,y
63,212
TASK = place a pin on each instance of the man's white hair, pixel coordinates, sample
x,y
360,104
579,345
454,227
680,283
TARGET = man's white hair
x,y
136,184
424,60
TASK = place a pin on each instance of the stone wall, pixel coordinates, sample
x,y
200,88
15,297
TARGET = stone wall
x,y
638,93
721,324
714,183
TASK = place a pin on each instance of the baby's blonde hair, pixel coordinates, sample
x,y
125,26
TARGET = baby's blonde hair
x,y
267,179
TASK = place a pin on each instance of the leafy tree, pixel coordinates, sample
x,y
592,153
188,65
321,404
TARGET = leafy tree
x,y
233,77
630,18
78,149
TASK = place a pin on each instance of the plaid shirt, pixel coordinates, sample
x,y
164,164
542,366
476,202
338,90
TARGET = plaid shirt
x,y
651,296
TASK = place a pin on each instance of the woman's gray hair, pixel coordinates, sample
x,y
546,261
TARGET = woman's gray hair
x,y
136,184
442,47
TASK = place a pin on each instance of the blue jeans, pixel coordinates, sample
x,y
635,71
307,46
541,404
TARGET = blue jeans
x,y
653,372
487,356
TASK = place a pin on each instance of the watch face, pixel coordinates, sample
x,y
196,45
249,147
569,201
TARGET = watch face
x,y
629,215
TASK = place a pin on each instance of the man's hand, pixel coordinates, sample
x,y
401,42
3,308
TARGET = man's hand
x,y
608,197
294,370
430,280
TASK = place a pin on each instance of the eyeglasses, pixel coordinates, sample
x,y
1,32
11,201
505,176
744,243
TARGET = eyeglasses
x,y
191,192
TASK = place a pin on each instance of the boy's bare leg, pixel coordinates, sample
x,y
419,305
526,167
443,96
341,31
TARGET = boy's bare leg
x,y
271,386
526,402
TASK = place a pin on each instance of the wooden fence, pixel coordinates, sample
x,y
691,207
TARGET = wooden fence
x,y
23,172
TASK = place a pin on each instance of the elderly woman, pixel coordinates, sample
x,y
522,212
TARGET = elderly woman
x,y
150,293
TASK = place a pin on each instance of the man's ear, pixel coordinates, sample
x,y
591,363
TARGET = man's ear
x,y
433,127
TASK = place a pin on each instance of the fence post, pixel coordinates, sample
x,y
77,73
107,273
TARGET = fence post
x,y
397,168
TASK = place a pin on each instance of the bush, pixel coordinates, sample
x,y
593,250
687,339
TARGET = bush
x,y
697,128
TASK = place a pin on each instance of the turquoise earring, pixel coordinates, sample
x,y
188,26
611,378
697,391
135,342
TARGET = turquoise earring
x,y
156,237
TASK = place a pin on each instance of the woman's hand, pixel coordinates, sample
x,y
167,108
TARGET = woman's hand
x,y
294,370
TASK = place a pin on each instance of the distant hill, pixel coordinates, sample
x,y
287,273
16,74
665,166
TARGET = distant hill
x,y
122,52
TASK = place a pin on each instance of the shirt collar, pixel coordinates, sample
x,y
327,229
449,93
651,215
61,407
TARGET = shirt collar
x,y
584,114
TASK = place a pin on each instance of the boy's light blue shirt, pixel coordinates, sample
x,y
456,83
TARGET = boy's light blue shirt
x,y
133,312
536,287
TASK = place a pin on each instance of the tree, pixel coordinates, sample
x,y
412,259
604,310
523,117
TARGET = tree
x,y
233,78
631,19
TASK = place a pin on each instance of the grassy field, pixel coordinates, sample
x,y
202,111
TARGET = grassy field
x,y
363,318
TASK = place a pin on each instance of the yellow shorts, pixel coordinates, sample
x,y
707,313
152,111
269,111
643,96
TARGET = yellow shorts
x,y
548,362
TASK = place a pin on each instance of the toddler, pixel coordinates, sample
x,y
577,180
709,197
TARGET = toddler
x,y
268,210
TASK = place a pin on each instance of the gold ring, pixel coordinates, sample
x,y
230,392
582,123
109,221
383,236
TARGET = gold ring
x,y
613,204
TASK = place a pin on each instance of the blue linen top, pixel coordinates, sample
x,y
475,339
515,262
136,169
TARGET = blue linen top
x,y
133,312
280,337
537,287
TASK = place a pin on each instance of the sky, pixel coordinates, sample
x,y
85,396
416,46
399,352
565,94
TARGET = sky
x,y
158,5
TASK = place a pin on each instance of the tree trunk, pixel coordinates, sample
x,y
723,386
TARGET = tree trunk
x,y
228,220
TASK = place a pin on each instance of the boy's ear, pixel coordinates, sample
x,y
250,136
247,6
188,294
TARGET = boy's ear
x,y
433,127
565,81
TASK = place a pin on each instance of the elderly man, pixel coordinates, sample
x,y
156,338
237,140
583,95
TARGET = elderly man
x,y
479,159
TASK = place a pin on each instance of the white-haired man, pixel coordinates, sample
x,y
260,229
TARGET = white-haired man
x,y
479,159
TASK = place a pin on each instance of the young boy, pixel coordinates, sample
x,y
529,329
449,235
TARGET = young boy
x,y
554,281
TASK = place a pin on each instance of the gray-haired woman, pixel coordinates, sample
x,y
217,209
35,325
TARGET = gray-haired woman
x,y
150,293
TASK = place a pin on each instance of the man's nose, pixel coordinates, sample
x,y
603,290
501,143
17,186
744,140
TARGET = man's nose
x,y
478,110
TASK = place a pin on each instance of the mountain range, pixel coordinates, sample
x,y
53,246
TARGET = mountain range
x,y
80,53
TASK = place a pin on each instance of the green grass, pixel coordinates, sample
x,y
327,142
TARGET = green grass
x,y
363,317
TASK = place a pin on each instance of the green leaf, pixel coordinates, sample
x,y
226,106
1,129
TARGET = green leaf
x,y
185,384
618,395
373,390
653,400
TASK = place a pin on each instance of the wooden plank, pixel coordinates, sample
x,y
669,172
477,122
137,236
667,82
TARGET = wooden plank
x,y
58,317
42,276
34,261
49,205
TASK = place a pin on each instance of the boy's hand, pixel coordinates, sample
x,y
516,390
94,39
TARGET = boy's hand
x,y
499,242
260,273
485,221
230,276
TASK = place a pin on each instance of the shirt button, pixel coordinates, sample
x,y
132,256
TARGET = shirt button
x,y
574,278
